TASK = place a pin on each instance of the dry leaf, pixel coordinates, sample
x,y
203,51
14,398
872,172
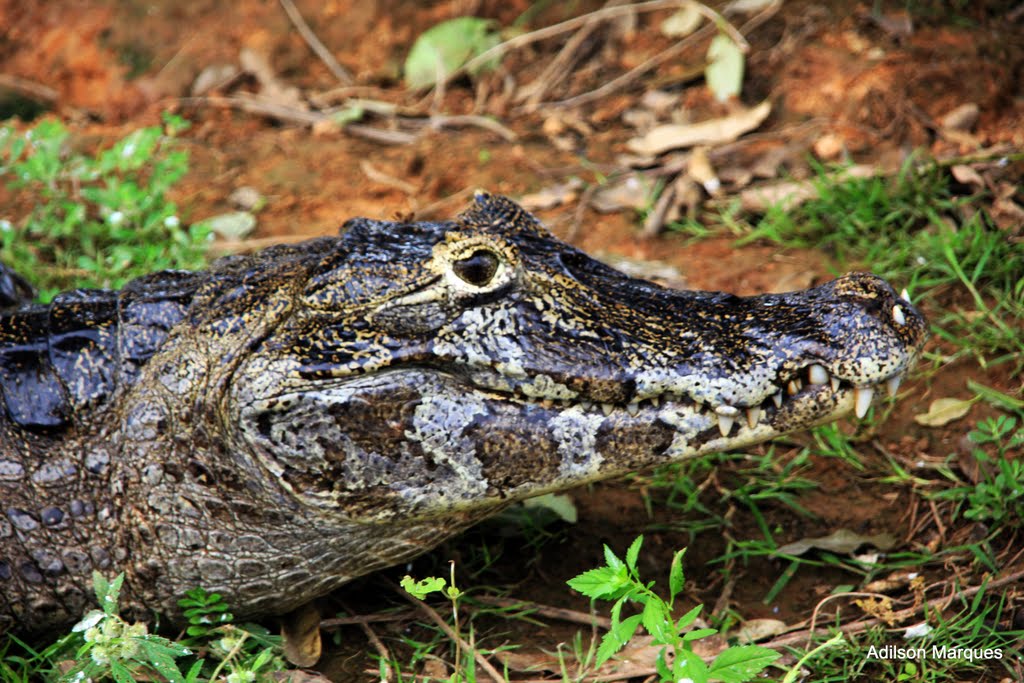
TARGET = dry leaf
x,y
758,629
942,411
712,132
683,22
967,175
841,541
962,118
550,197
630,192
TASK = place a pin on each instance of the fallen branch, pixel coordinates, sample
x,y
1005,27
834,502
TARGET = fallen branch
x,y
559,613
343,76
31,89
668,54
582,20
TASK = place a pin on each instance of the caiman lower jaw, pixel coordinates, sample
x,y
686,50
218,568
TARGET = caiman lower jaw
x,y
812,396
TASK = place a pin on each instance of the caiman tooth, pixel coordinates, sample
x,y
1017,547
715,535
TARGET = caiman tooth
x,y
726,418
725,424
586,405
835,382
633,408
794,386
905,295
547,404
607,408
862,400
892,385
656,401
777,398
753,415
897,315
817,374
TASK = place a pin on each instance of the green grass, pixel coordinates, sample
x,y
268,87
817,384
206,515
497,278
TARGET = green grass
x,y
98,220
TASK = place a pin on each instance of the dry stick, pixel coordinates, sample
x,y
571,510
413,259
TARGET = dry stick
x,y
857,627
577,22
443,625
381,649
322,52
28,88
456,120
357,619
560,613
621,81
559,66
664,56
308,118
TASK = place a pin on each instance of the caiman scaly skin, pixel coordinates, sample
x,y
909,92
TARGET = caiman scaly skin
x,y
284,422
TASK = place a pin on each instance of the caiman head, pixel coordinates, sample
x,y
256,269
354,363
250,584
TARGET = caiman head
x,y
427,369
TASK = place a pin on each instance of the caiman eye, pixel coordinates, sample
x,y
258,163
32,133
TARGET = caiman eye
x,y
478,268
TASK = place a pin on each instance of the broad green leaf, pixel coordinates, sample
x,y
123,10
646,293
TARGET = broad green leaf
x,y
741,663
633,552
120,673
655,617
698,634
688,618
233,225
943,411
611,559
691,666
558,503
724,72
596,583
443,48
424,587
616,638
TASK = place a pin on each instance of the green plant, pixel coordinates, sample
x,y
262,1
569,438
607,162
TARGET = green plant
x,y
998,495
619,581
420,589
115,649
97,220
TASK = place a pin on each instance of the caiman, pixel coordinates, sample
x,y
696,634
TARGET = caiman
x,y
286,421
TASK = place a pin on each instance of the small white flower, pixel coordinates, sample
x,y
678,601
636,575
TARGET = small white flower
x,y
918,630
172,222
116,218
128,150
5,225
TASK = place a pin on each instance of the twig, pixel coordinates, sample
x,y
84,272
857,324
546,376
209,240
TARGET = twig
x,y
560,613
378,176
443,625
355,620
581,210
571,25
666,55
253,105
28,88
379,646
322,52
856,627
559,66
440,121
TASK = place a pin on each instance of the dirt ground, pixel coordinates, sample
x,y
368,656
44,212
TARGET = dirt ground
x,y
846,80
